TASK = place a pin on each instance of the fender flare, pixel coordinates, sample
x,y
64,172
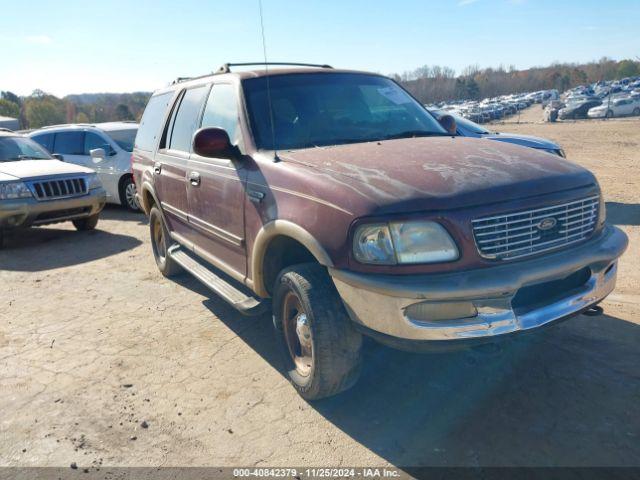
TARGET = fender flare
x,y
284,228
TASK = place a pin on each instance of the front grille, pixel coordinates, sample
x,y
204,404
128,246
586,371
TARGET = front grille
x,y
527,232
59,188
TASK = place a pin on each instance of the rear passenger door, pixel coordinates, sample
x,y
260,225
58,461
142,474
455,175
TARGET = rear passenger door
x,y
216,189
171,161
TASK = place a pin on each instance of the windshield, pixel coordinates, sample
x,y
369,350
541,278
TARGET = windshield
x,y
19,148
124,138
332,109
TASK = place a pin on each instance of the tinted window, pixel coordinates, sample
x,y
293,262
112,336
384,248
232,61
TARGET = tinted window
x,y
151,122
69,143
222,110
187,119
92,141
46,140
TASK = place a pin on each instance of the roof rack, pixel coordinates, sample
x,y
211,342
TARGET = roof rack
x,y
226,68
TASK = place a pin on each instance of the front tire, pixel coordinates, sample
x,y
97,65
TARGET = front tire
x,y
160,242
128,194
87,223
322,350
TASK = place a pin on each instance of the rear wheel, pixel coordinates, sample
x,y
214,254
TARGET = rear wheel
x,y
128,194
85,224
160,242
322,350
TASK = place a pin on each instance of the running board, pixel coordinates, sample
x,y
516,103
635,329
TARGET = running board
x,y
245,304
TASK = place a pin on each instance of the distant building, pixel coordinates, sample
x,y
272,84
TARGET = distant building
x,y
10,123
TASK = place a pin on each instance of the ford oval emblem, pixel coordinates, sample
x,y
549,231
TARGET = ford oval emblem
x,y
547,223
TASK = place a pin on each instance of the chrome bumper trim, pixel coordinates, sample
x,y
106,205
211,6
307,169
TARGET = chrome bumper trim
x,y
379,303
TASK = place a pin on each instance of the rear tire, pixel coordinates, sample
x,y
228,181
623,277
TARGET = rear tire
x,y
128,194
160,243
86,224
322,350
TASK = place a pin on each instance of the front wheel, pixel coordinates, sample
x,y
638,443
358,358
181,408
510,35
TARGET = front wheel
x,y
322,350
160,242
87,223
128,194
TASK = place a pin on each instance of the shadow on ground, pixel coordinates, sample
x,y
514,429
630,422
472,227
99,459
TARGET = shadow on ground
x,y
115,212
568,395
38,249
623,213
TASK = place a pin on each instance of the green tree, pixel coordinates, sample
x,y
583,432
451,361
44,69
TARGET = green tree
x,y
9,109
12,97
123,112
82,118
628,68
44,110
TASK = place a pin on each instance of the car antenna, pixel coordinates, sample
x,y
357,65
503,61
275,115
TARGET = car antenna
x,y
266,69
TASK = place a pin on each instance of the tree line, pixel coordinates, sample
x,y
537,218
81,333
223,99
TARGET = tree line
x,y
40,109
431,84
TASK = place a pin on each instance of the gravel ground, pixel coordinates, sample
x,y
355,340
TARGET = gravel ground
x,y
105,362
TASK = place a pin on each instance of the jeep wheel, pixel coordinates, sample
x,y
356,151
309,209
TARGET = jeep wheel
x,y
321,348
160,243
128,194
87,223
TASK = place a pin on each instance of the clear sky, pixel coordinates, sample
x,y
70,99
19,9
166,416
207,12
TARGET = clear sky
x,y
75,46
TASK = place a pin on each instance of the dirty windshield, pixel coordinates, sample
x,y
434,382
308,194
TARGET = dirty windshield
x,y
320,109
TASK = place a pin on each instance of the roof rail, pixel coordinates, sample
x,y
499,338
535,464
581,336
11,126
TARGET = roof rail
x,y
226,68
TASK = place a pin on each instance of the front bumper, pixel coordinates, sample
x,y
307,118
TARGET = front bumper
x,y
25,212
482,303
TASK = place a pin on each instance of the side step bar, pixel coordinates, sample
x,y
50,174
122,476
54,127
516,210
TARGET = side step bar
x,y
245,304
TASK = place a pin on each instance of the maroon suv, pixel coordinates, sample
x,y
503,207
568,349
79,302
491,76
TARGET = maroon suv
x,y
335,197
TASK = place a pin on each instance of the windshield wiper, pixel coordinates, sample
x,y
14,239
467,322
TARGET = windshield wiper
x,y
414,134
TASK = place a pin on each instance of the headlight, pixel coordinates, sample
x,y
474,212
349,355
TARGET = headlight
x,y
12,190
93,181
403,243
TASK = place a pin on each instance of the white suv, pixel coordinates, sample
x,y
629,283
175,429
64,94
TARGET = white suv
x,y
103,147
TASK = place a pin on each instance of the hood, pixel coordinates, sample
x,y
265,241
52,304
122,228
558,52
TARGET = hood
x,y
524,140
438,172
24,169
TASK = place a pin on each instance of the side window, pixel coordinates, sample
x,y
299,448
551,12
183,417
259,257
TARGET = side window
x,y
187,119
69,143
151,122
46,140
92,140
222,110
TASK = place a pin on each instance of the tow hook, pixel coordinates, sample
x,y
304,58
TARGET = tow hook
x,y
593,311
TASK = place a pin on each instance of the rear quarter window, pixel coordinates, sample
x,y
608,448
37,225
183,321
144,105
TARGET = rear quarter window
x,y
46,140
151,122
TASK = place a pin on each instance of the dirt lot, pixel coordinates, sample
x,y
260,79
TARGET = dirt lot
x,y
94,342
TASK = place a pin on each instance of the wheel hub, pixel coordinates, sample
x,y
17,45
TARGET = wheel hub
x,y
303,330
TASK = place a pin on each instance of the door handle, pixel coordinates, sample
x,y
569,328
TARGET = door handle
x,y
157,168
194,179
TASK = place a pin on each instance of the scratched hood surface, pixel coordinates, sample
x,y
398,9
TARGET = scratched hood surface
x,y
441,172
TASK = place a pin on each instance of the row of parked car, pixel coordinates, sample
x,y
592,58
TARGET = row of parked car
x,y
496,108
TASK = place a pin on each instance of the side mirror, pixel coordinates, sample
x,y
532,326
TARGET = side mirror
x,y
449,124
213,142
58,156
97,155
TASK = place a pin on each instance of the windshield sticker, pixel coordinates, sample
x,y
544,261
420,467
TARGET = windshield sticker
x,y
396,95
